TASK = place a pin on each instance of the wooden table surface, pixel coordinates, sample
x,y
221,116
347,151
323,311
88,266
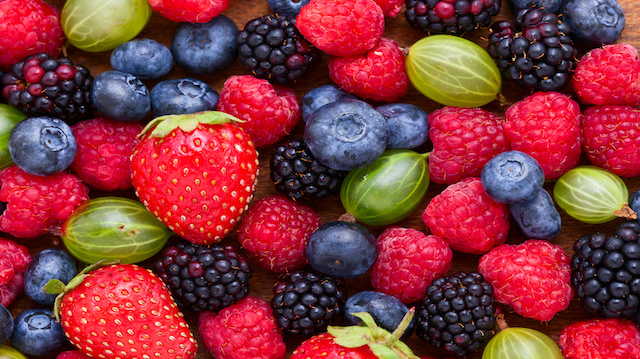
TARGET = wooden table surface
x,y
241,11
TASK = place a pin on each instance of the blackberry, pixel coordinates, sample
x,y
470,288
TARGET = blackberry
x,y
605,271
458,313
204,277
453,17
273,48
536,52
306,303
298,175
41,85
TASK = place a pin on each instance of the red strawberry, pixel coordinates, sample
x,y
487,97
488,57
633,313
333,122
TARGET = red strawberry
x,y
196,173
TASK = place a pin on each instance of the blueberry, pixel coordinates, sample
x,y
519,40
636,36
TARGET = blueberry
x,y
145,59
634,201
408,125
205,48
320,96
594,22
346,134
548,5
387,311
512,177
42,145
175,97
538,217
46,265
341,249
287,7
120,96
6,324
37,333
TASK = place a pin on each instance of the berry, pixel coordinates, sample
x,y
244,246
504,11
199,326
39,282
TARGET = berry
x,y
246,329
520,343
600,339
320,96
594,22
552,6
386,310
538,217
287,8
120,96
72,354
408,261
7,324
408,125
467,218
146,59
391,8
49,264
180,96
634,201
14,260
104,153
511,177
37,333
324,346
450,17
270,112
274,232
189,11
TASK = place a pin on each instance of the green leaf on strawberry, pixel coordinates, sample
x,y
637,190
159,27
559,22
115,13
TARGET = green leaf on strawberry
x,y
163,125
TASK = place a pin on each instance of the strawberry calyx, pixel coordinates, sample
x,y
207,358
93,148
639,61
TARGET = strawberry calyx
x,y
163,125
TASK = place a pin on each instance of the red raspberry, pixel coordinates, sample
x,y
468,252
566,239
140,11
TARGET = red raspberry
x,y
600,339
36,204
14,260
408,261
608,76
467,218
379,74
390,8
72,354
28,27
464,139
546,126
533,277
189,10
612,138
342,27
104,153
270,111
246,329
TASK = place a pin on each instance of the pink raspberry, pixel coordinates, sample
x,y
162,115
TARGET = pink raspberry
x,y
72,354
194,11
14,260
600,339
390,8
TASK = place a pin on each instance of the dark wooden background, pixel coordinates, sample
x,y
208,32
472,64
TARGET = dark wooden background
x,y
241,11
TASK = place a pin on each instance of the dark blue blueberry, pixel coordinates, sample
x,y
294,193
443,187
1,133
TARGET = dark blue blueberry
x,y
287,7
512,177
205,48
386,310
37,333
6,324
320,96
46,265
594,22
346,134
538,217
175,97
634,201
42,145
548,5
145,59
120,96
341,249
408,125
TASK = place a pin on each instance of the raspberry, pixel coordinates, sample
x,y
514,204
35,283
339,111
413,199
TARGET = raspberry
x,y
274,232
533,277
378,75
14,260
600,339
454,17
342,27
390,8
104,153
193,11
28,27
608,76
464,139
72,354
35,204
467,218
270,111
546,126
246,329
611,136
408,261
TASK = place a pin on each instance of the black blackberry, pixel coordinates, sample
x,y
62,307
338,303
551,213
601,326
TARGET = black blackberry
x,y
42,85
305,303
605,271
536,52
458,313
454,17
297,174
204,277
273,48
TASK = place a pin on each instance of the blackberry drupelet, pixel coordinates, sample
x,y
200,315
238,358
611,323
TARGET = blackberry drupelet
x,y
453,17
297,174
536,52
43,85
458,313
605,271
305,303
204,277
273,48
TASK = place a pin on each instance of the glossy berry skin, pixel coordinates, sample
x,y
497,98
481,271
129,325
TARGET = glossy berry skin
x,y
179,96
287,7
49,264
408,125
512,177
634,201
386,310
37,333
594,22
6,324
320,96
552,6
42,146
538,217
120,96
146,59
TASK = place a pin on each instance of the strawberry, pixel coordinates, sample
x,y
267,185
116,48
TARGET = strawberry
x,y
196,173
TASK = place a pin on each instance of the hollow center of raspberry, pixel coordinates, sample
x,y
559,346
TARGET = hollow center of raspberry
x,y
511,169
349,127
53,139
